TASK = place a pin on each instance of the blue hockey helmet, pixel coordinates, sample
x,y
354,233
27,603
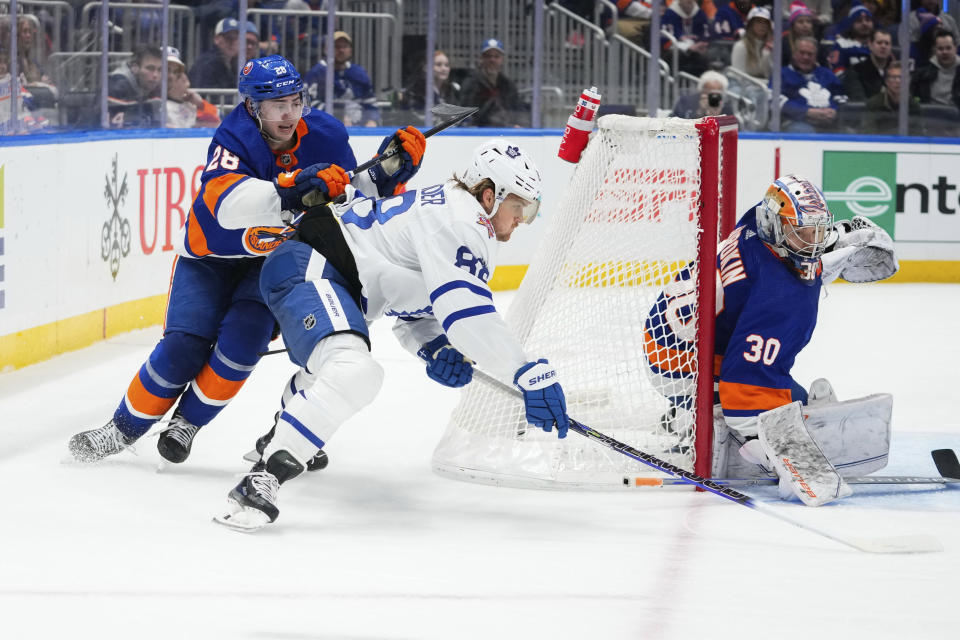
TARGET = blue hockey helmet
x,y
268,78
794,220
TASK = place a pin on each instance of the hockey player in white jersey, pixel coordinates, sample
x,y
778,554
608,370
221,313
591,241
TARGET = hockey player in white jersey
x,y
423,257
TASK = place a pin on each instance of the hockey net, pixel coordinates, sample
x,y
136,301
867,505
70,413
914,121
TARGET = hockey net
x,y
644,204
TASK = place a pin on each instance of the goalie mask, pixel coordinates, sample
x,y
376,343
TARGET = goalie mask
x,y
795,221
512,172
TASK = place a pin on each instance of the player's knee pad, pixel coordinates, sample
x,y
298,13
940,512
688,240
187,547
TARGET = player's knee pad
x,y
345,379
344,370
179,357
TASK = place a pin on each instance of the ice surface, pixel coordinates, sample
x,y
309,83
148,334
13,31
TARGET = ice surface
x,y
376,546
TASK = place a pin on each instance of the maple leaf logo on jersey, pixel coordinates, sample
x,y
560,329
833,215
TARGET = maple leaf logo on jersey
x,y
115,233
484,222
817,96
513,152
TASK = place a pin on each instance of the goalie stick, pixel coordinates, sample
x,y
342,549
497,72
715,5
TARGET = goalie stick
x,y
897,544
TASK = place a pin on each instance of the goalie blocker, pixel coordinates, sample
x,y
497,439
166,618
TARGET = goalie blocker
x,y
811,448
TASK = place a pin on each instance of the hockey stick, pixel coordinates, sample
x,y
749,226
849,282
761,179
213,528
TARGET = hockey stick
x,y
455,113
899,544
939,481
947,463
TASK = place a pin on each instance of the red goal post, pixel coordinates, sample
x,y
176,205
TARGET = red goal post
x,y
718,214
646,204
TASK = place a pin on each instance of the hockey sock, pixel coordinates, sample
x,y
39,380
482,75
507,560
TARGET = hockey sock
x,y
244,333
173,363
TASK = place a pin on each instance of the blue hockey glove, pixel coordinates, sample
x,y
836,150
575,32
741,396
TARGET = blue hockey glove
x,y
543,396
304,188
445,364
392,174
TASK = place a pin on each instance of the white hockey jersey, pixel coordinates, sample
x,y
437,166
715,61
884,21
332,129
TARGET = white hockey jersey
x,y
424,257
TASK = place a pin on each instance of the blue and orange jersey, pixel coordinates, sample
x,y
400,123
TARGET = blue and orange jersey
x,y
765,317
237,209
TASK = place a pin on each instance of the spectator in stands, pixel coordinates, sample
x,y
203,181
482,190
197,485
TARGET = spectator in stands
x,y
444,89
133,90
488,88
29,66
883,109
931,7
811,91
691,28
922,49
866,78
217,68
184,107
633,16
731,19
822,11
801,26
354,102
752,53
28,122
939,82
852,40
710,99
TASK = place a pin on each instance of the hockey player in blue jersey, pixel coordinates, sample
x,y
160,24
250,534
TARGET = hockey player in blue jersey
x,y
770,271
270,157
423,258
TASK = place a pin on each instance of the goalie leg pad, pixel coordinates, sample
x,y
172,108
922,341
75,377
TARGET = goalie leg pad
x,y
797,458
854,434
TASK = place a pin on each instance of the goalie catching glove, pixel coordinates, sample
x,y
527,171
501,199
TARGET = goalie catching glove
x,y
314,185
392,174
543,396
445,364
861,252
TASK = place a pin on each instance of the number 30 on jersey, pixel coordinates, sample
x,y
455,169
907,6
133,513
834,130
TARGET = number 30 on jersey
x,y
761,349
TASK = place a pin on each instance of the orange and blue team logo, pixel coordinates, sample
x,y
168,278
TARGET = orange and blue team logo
x,y
247,68
485,222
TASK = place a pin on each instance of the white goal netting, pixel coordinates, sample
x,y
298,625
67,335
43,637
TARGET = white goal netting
x,y
628,224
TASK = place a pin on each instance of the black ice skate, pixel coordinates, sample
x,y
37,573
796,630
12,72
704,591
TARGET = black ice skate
x,y
316,463
97,444
253,502
176,440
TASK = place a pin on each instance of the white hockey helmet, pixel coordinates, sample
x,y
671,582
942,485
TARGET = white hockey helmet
x,y
512,172
794,219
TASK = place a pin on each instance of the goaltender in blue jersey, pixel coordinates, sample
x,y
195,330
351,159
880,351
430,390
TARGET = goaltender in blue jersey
x,y
770,272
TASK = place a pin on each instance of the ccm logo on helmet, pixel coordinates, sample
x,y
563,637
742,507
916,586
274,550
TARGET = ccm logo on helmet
x,y
284,83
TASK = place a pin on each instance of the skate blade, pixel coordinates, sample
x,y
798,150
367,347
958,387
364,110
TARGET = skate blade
x,y
252,456
246,520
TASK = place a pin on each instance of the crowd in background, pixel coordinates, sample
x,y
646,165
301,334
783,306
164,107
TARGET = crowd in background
x,y
840,66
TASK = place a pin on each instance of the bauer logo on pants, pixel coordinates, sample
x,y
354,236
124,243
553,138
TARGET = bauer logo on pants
x,y
913,196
